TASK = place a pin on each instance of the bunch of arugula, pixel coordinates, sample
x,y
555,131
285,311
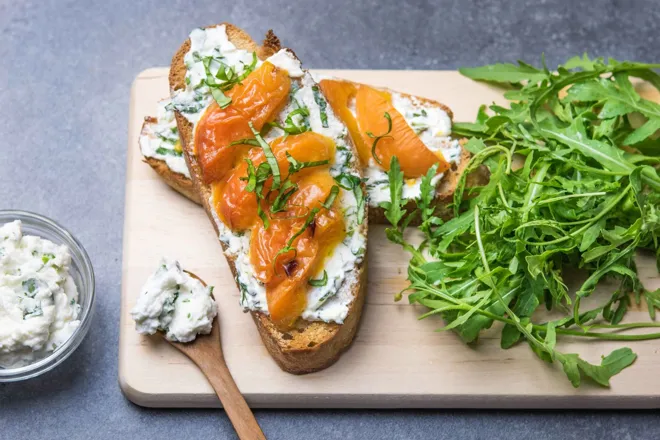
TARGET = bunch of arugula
x,y
565,188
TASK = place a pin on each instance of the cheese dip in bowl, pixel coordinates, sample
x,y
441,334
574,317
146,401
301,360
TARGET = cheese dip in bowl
x,y
46,295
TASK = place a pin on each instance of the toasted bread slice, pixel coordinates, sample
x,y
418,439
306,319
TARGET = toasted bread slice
x,y
310,345
182,183
431,121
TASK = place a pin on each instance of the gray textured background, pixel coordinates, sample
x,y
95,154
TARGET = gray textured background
x,y
65,75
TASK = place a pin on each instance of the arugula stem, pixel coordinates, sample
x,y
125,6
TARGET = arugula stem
x,y
571,196
595,219
608,336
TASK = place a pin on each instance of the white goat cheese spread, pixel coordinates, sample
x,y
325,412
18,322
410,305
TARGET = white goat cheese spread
x,y
327,303
160,139
38,297
174,302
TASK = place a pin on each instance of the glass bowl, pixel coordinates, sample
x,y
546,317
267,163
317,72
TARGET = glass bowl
x,y
83,274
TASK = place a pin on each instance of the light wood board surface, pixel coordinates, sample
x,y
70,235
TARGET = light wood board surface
x,y
395,361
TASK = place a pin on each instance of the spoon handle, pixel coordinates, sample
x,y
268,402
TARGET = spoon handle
x,y
237,409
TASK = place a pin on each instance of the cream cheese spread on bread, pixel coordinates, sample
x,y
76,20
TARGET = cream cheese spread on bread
x,y
329,302
160,139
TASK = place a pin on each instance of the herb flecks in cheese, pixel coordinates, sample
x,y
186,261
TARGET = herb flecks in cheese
x,y
38,297
174,302
160,139
210,52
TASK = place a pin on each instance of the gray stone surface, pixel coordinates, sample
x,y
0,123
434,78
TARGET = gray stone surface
x,y
64,88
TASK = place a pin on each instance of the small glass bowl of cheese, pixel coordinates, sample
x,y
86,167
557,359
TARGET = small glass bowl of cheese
x,y
43,317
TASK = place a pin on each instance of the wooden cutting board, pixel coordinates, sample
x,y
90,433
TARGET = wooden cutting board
x,y
395,361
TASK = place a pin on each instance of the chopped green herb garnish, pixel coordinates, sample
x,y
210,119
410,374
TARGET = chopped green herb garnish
x,y
167,152
225,78
295,166
168,139
45,258
290,127
327,203
286,191
353,183
270,157
323,104
319,283
377,139
30,287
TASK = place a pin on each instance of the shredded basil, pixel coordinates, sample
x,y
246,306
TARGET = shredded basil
x,y
287,190
353,183
290,127
295,166
225,78
325,299
319,283
377,139
168,152
270,157
327,203
322,105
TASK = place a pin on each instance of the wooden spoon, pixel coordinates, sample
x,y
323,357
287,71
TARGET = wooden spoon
x,y
206,353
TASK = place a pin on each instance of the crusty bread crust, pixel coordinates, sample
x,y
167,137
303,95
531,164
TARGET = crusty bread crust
x,y
309,346
176,181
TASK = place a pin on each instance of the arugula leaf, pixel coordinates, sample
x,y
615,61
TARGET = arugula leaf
x,y
611,365
643,132
393,211
564,190
504,73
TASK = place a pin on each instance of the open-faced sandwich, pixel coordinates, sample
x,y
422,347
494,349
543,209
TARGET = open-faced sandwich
x,y
384,123
279,178
381,123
